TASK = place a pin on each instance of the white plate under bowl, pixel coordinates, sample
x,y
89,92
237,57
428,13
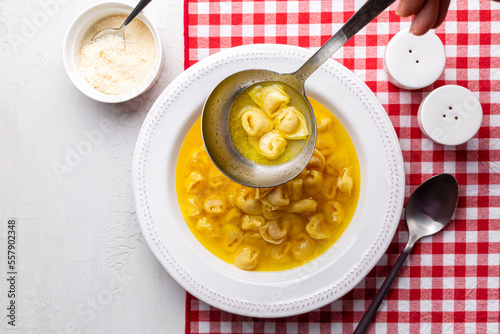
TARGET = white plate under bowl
x,y
282,293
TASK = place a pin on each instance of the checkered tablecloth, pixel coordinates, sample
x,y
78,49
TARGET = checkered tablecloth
x,y
451,282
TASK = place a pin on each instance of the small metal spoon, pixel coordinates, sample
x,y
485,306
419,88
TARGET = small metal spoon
x,y
121,31
214,122
428,210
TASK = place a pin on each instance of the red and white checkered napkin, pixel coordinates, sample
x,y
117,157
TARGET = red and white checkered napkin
x,y
451,282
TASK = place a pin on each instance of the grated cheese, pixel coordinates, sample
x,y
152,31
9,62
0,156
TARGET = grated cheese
x,y
116,66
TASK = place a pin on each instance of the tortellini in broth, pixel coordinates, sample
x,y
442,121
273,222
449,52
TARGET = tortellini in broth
x,y
270,98
269,229
255,123
267,125
291,123
272,144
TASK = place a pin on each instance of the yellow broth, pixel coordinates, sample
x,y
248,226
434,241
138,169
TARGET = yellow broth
x,y
278,228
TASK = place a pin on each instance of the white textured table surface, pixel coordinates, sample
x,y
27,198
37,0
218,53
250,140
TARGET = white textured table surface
x,y
82,264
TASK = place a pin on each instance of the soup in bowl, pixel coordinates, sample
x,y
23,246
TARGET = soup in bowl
x,y
278,228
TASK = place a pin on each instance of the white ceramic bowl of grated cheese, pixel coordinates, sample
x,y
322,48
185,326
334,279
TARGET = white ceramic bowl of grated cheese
x,y
110,70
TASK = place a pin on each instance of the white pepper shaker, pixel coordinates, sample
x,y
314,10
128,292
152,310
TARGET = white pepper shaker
x,y
414,62
450,115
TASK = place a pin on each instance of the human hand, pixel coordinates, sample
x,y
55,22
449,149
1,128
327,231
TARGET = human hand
x,y
427,14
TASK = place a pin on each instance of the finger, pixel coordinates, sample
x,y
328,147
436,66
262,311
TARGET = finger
x,y
425,18
443,10
409,7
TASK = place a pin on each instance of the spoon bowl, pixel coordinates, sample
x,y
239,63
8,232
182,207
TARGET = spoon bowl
x,y
428,211
115,31
431,206
215,115
121,30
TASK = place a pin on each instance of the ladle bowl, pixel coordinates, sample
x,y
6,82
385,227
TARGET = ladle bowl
x,y
214,121
217,140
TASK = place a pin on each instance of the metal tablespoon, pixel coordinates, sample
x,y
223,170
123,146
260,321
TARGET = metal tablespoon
x,y
214,122
120,31
428,210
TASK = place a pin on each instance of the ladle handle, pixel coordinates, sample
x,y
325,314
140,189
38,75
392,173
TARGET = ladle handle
x,y
384,288
358,21
140,6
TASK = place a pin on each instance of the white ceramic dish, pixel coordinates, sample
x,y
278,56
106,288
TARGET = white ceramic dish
x,y
73,42
268,294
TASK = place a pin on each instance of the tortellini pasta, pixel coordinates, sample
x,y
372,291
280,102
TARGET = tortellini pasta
x,y
345,182
232,216
295,188
279,252
200,157
303,206
216,178
247,202
272,144
207,227
252,222
325,145
291,123
302,246
192,208
247,258
317,161
270,228
336,163
271,212
232,236
255,123
270,98
215,206
294,223
262,192
317,228
329,189
325,124
277,197
272,232
193,181
334,212
313,182
271,122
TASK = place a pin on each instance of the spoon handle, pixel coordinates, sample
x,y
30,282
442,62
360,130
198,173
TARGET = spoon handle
x,y
358,21
140,6
379,297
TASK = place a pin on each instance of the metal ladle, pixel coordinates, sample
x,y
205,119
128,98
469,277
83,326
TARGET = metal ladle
x,y
214,120
121,31
428,210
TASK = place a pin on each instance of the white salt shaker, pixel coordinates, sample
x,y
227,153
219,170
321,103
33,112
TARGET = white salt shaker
x,y
450,115
414,62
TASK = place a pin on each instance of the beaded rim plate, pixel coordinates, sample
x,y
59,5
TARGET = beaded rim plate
x,y
282,293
